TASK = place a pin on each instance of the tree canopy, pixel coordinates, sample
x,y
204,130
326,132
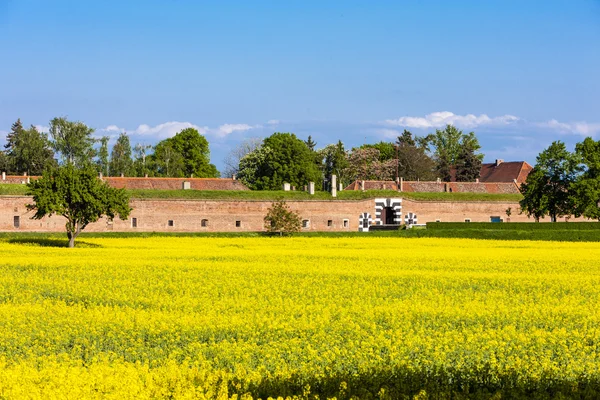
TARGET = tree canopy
x,y
73,141
547,189
78,195
185,154
120,158
453,148
28,150
282,157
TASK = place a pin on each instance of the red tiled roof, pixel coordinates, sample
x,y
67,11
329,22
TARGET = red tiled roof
x,y
504,172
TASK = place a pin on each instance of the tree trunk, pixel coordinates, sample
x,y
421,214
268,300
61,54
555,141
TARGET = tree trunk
x,y
71,241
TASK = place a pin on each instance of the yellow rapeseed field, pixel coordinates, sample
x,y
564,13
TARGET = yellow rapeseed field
x,y
245,318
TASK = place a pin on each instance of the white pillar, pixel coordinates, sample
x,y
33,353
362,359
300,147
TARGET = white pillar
x,y
340,187
311,188
3,176
286,186
400,186
333,186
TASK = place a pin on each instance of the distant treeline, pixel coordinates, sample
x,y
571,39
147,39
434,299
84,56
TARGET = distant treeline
x,y
261,164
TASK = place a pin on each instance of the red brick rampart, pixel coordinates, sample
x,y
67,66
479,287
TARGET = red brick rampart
x,y
222,215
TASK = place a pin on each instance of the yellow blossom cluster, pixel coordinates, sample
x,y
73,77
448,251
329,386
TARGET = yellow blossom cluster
x,y
247,318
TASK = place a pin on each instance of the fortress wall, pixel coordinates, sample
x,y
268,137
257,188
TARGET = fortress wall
x,y
187,215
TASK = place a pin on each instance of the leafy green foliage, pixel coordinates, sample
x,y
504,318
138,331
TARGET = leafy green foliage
x,y
547,190
455,148
73,141
77,195
468,164
387,150
335,161
281,219
413,161
120,158
185,154
102,161
586,190
27,150
281,158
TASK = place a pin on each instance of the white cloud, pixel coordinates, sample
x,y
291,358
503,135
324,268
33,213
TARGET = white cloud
x,y
443,118
167,129
113,128
273,122
227,129
575,128
42,128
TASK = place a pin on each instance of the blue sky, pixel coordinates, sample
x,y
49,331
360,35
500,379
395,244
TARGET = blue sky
x,y
518,73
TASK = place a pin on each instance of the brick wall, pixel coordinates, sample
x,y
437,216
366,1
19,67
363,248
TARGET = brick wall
x,y
187,215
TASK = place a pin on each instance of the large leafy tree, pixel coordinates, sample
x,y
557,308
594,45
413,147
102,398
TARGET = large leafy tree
x,y
364,164
335,161
413,161
453,147
166,161
281,158
29,150
586,189
15,130
387,150
120,157
468,164
78,195
73,141
547,190
141,162
193,151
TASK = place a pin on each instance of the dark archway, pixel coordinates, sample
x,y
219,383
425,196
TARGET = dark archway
x,y
388,215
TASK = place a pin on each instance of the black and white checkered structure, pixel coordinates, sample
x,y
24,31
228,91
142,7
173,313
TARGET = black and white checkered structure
x,y
410,219
395,204
364,222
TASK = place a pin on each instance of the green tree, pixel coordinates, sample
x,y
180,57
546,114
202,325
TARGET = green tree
x,y
387,150
280,219
468,164
194,152
586,189
335,161
140,164
29,151
449,144
73,141
413,161
364,164
547,190
281,158
15,130
166,161
5,162
102,161
120,158
78,195
311,143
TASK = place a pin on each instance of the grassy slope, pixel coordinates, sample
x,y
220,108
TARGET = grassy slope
x,y
11,189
